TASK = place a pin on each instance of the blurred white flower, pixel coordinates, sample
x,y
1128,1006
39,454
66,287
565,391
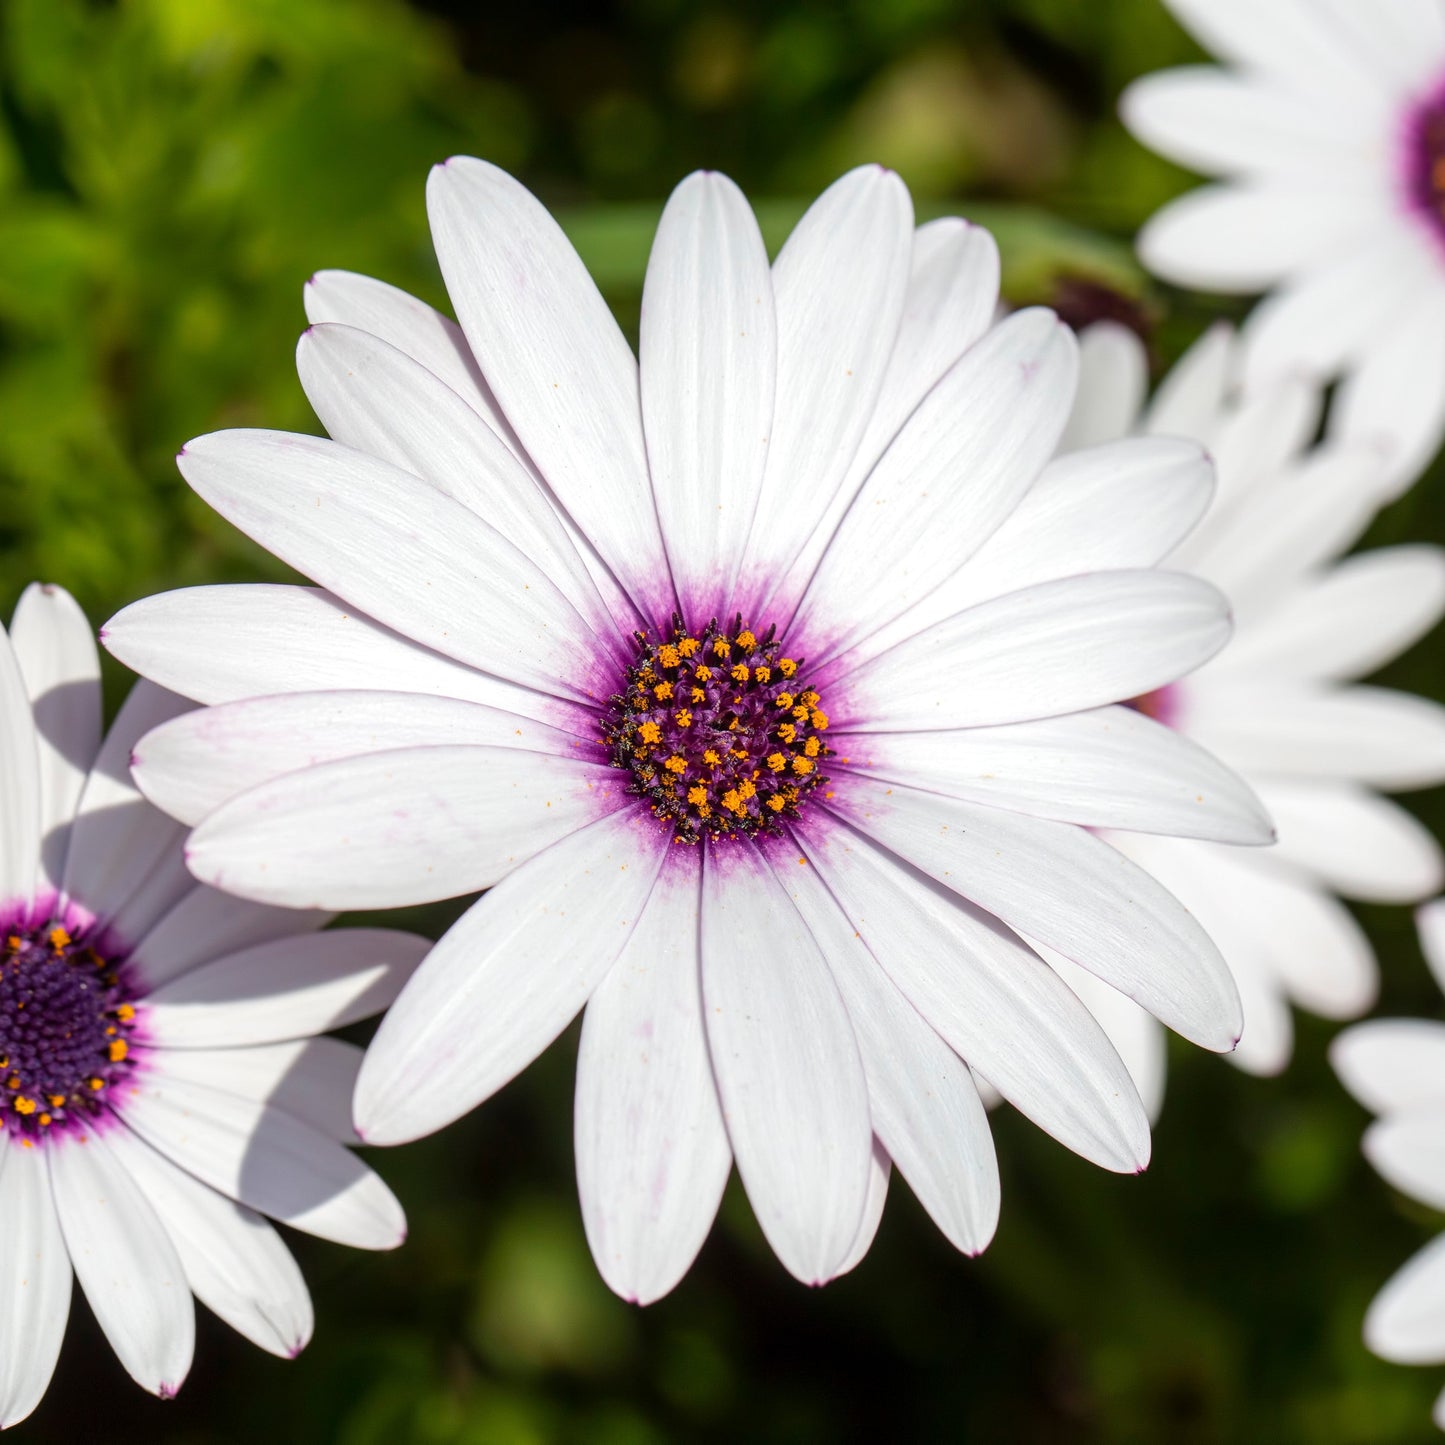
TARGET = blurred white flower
x,y
1278,704
766,686
1326,129
1396,1069
161,1085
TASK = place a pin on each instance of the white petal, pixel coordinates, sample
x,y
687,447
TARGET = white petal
x,y
124,1259
19,783
1256,437
1330,315
313,1079
1191,872
429,338
787,1065
925,1108
286,989
1408,1150
709,363
118,840
507,978
556,361
234,1261
1243,238
369,531
1351,620
1221,123
1319,950
34,1283
1097,908
1189,401
958,467
1406,1320
1135,1033
839,285
993,1000
1063,646
1395,396
878,1175
1125,504
951,301
1306,940
1113,379
220,644
410,825
55,648
1393,1065
1366,734
192,765
1109,768
652,1150
206,924
1267,1043
437,343
372,397
1430,924
1356,842
166,884
1308,44
263,1157
1259,550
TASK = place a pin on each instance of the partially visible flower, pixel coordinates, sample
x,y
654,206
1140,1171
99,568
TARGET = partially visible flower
x,y
1278,703
766,687
1326,128
161,1083
1396,1069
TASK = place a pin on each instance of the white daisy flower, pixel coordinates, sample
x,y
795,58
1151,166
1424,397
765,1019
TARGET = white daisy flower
x,y
1396,1069
1278,704
766,686
1326,130
161,1085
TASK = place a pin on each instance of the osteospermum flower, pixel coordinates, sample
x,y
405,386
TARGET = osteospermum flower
x,y
1278,703
1326,129
1396,1069
766,687
160,1086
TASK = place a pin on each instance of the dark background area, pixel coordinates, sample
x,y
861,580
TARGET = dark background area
x,y
171,171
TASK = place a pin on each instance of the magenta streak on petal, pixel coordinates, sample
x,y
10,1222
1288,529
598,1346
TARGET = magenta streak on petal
x,y
1163,704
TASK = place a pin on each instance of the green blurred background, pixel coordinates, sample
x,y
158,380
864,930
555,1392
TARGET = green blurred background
x,y
171,171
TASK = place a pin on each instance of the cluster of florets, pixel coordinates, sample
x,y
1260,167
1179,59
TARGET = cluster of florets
x,y
720,734
1426,150
65,1024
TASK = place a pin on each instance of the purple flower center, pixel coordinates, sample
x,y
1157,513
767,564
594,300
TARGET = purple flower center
x,y
66,1021
1424,158
719,730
